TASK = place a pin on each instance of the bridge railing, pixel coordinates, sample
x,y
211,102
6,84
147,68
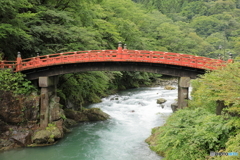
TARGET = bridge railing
x,y
7,64
174,59
114,55
70,57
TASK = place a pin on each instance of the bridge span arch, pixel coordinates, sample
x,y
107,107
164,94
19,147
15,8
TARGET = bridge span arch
x,y
166,63
164,69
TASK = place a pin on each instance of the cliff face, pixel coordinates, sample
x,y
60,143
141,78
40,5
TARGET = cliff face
x,y
18,119
20,109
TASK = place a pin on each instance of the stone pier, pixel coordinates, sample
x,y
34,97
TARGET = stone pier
x,y
183,91
48,86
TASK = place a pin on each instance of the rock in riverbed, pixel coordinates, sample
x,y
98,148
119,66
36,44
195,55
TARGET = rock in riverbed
x,y
161,101
92,114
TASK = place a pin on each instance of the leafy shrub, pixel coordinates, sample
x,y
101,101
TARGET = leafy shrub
x,y
222,84
233,145
14,83
192,134
83,88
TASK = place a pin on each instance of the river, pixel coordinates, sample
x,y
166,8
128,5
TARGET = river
x,y
133,114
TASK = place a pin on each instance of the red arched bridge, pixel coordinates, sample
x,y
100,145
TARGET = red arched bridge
x,y
167,63
44,68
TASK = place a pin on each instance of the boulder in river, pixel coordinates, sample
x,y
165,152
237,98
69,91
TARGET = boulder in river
x,y
169,87
77,116
48,135
92,114
69,122
161,101
174,106
96,114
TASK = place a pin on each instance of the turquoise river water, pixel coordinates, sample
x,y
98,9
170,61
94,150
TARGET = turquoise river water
x,y
133,114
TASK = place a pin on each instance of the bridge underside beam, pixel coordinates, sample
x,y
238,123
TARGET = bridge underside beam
x,y
164,69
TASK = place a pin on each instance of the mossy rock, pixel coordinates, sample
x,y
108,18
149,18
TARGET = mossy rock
x,y
46,136
78,116
152,141
96,114
169,87
69,122
92,114
161,101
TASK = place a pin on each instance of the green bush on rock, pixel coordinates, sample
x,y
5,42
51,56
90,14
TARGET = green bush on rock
x,y
14,83
190,134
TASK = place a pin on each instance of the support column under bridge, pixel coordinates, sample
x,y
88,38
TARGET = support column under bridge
x,y
183,92
48,87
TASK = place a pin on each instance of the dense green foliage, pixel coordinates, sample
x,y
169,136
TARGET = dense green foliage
x,y
196,27
136,79
79,88
192,134
223,85
14,83
213,23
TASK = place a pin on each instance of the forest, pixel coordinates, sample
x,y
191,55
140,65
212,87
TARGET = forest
x,y
198,27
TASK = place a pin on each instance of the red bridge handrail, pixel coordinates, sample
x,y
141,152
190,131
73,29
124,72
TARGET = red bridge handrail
x,y
7,64
120,55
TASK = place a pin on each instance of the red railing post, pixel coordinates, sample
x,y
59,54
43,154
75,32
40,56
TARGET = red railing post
x,y
124,52
75,56
37,59
19,62
1,64
125,48
150,56
119,47
230,60
164,57
47,59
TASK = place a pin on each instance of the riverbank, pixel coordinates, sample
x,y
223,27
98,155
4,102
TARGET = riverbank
x,y
30,134
193,134
120,137
20,121
20,127
209,128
